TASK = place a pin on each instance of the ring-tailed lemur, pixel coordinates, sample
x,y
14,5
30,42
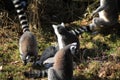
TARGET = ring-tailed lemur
x,y
63,65
50,51
27,42
64,37
108,14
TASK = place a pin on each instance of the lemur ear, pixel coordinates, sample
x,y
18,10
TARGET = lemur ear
x,y
53,26
74,44
62,24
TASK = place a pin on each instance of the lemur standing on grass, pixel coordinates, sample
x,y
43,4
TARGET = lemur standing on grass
x,y
62,68
27,42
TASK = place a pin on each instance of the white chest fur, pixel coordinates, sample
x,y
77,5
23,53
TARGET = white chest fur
x,y
60,41
102,13
59,36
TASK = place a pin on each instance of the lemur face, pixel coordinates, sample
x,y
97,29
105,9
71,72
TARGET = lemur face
x,y
25,59
59,29
73,48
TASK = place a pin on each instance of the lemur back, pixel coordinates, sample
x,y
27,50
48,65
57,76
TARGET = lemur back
x,y
63,65
28,47
27,42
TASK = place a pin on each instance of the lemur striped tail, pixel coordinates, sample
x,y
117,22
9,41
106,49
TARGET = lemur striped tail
x,y
21,14
36,74
80,30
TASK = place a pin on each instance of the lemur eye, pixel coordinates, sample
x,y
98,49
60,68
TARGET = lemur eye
x,y
72,48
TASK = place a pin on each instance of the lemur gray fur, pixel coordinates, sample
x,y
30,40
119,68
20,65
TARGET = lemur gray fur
x,y
27,42
108,14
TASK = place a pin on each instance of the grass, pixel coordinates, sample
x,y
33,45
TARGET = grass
x,y
96,62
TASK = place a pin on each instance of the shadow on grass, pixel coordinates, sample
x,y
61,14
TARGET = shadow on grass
x,y
96,52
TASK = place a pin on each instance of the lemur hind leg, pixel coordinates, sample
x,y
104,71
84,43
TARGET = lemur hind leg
x,y
99,22
52,75
101,25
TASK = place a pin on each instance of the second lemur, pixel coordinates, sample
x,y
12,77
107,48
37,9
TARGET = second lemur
x,y
108,14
